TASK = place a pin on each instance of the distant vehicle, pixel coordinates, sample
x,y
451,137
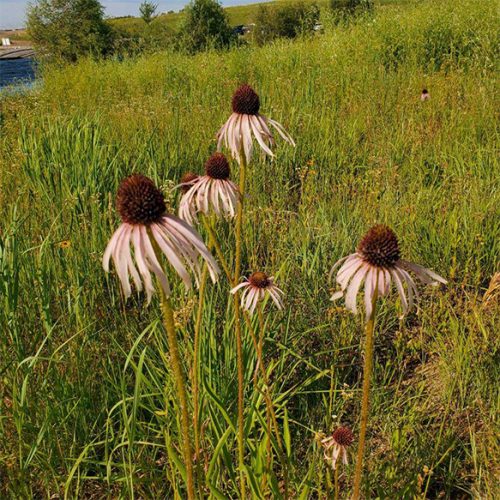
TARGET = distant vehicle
x,y
239,30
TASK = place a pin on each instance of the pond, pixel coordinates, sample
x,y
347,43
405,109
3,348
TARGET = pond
x,y
13,71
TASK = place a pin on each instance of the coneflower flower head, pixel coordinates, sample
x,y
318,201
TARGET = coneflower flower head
x,y
378,263
245,101
337,444
217,167
187,180
343,436
246,123
146,225
256,286
424,96
211,192
139,201
379,247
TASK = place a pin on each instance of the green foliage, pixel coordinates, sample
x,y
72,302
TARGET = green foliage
x,y
147,10
85,377
285,21
205,26
68,29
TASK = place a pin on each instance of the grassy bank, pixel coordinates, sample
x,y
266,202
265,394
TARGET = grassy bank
x,y
84,376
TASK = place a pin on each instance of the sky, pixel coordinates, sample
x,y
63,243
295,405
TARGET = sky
x,y
12,11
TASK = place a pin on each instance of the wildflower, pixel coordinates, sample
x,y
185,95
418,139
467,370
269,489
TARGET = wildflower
x,y
256,287
245,123
146,224
65,244
377,262
210,192
187,180
336,445
425,96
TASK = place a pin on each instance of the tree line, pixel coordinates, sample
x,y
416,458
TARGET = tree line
x,y
69,29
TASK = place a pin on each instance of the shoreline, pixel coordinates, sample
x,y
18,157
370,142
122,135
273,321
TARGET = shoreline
x,y
16,52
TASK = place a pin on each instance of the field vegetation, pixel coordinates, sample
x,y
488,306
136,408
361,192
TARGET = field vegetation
x,y
88,407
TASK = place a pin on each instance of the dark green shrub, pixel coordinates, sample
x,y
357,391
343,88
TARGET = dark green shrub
x,y
68,29
287,21
205,26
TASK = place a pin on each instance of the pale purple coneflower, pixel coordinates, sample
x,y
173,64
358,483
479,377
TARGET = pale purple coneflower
x,y
424,96
246,123
377,262
256,287
146,225
336,445
187,180
212,192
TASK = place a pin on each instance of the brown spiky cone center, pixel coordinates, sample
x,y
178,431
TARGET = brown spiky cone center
x,y
259,279
343,436
187,181
139,201
246,101
217,167
379,247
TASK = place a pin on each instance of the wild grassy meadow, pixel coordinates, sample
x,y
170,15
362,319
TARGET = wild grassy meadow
x,y
88,407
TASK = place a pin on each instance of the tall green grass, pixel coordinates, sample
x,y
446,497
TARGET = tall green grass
x,y
83,377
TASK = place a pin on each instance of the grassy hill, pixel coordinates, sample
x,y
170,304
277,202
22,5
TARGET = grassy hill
x,y
88,407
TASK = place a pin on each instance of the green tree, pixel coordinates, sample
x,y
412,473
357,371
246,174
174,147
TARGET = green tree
x,y
205,26
147,10
350,7
285,21
68,29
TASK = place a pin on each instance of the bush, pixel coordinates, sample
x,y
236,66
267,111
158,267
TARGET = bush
x,y
344,10
68,29
205,26
147,10
287,21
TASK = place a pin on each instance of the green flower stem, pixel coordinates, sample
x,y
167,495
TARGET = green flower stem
x,y
196,352
208,224
336,479
169,323
237,321
365,402
267,392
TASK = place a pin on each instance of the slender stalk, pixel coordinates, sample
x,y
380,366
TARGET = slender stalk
x,y
336,475
237,321
196,349
365,402
169,323
268,400
218,250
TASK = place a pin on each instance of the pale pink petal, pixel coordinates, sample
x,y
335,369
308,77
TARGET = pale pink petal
x,y
284,134
120,260
141,264
352,290
400,289
111,246
152,261
237,287
370,283
255,127
423,273
172,256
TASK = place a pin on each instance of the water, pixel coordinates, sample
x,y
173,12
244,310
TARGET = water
x,y
16,71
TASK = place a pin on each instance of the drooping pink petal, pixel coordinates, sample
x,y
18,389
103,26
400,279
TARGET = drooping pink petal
x,y
152,261
141,264
352,290
400,289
